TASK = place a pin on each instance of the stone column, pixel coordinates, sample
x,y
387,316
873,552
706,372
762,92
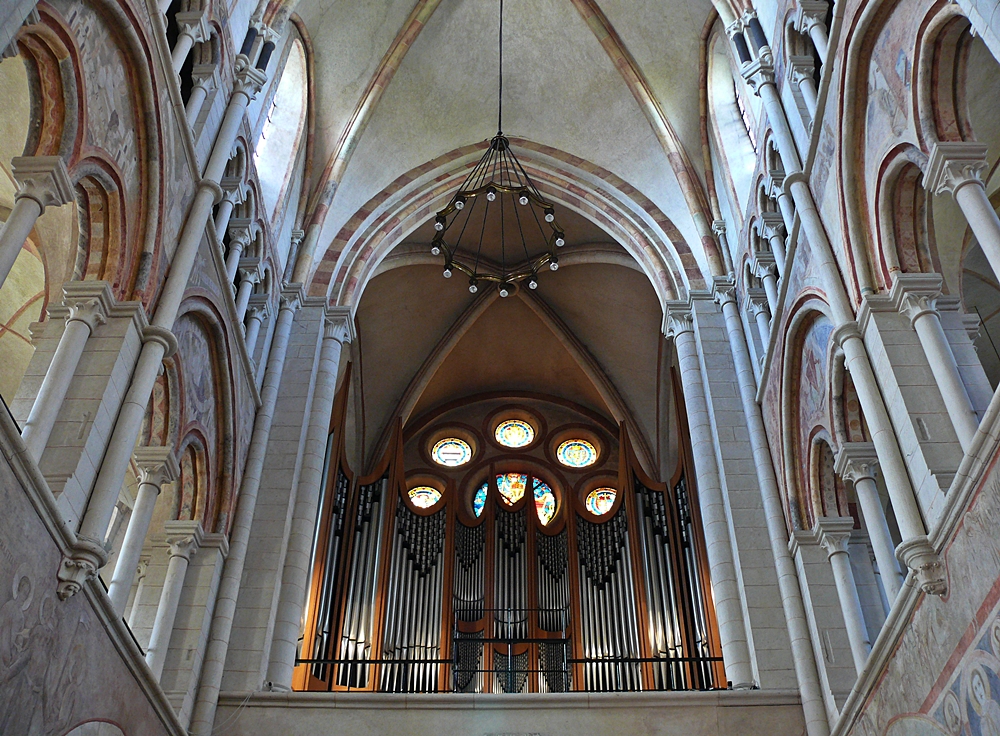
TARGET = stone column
x,y
757,307
206,80
788,580
203,720
193,28
810,21
249,276
293,252
295,577
916,550
800,73
256,314
140,576
88,555
771,226
767,271
240,235
722,569
156,466
42,182
89,303
957,167
184,538
786,208
919,305
834,534
233,193
856,463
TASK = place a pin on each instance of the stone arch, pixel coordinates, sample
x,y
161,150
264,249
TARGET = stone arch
x,y
194,479
634,221
160,426
96,728
942,108
828,496
104,250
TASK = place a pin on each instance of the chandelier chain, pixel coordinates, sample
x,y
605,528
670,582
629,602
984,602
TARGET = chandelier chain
x,y
500,93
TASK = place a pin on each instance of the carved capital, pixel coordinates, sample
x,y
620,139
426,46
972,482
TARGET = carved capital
x,y
719,227
927,565
724,291
183,537
90,312
291,297
810,13
233,190
953,164
247,80
756,302
249,270
338,325
259,307
800,69
856,461
834,534
156,465
845,332
84,559
758,73
915,306
296,237
679,320
141,568
772,225
194,23
205,76
43,179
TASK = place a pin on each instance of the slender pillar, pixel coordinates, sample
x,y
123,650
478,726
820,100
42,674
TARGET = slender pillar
x,y
156,466
141,569
722,569
803,656
779,193
957,167
203,719
295,577
293,252
84,316
42,182
193,28
772,226
758,308
239,240
767,272
233,193
800,73
249,276
184,538
915,550
834,534
256,314
206,80
856,463
88,555
810,21
926,320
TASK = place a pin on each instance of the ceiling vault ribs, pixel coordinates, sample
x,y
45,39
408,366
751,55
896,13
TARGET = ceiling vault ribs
x,y
422,378
680,162
328,182
605,386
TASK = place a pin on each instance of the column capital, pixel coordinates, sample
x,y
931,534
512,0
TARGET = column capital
x,y
774,182
763,264
919,555
90,312
241,232
771,224
259,306
856,461
81,563
810,13
250,269
845,332
759,72
800,68
297,236
338,324
723,291
154,333
205,76
756,301
953,164
156,465
194,23
89,302
247,80
43,179
834,533
234,190
719,227
291,297
142,567
183,537
678,319
916,294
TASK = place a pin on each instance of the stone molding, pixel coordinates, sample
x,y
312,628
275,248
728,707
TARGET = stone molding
x,y
43,179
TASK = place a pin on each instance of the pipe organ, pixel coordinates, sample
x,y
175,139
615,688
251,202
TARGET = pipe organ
x,y
499,594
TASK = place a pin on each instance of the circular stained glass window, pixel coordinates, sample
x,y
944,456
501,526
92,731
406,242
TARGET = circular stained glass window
x,y
515,433
451,452
423,497
600,500
511,487
576,453
545,501
479,500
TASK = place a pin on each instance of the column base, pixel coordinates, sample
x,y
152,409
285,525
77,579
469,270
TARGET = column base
x,y
86,557
928,566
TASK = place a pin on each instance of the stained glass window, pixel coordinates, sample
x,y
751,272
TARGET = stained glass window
x,y
511,487
576,453
451,452
423,497
600,500
479,500
545,501
515,433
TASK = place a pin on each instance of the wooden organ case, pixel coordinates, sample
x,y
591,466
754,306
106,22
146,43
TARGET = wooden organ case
x,y
418,600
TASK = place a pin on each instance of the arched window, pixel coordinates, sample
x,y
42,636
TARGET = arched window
x,y
276,151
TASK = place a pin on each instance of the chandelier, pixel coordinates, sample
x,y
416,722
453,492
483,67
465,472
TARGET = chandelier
x,y
500,193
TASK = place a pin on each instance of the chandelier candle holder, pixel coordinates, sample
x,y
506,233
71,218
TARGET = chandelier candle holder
x,y
498,186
